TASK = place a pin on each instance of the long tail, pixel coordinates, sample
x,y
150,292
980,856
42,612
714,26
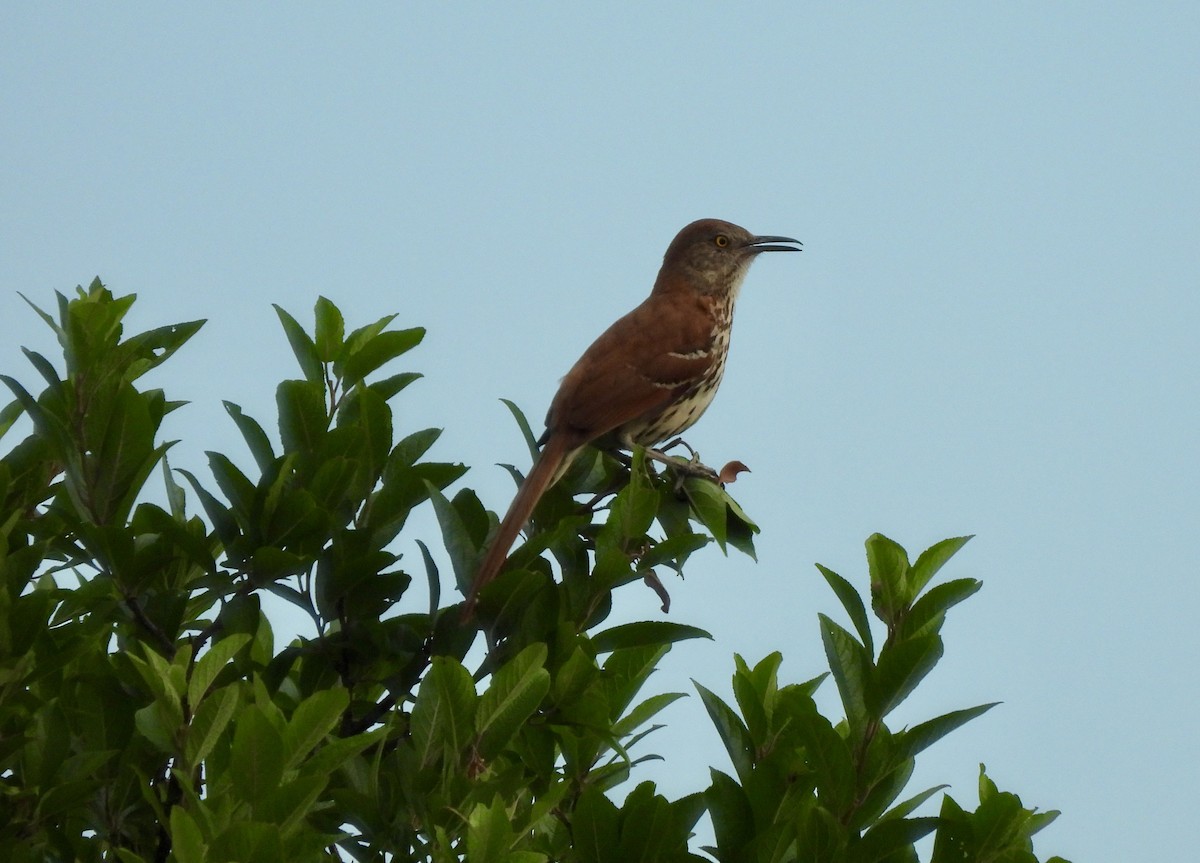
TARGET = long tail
x,y
554,458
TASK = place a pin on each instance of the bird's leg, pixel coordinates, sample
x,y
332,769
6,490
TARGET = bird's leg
x,y
692,467
681,442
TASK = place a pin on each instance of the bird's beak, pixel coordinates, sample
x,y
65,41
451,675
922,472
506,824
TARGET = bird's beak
x,y
770,244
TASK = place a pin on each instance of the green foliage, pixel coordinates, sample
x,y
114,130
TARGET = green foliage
x,y
148,712
807,787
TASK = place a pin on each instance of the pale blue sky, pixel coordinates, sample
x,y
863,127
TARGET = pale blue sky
x,y
992,329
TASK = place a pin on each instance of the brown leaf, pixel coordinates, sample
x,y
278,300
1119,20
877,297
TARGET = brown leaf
x,y
651,578
730,471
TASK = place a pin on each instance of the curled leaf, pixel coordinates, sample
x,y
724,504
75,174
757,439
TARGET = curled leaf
x,y
651,578
729,473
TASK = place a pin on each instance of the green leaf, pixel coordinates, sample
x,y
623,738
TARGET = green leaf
x,y
222,519
443,717
740,528
122,437
923,735
523,425
575,675
851,667
888,777
133,482
888,566
44,367
187,843
415,445
764,676
313,719
649,828
435,581
633,509
643,633
393,384
9,415
932,559
50,322
234,484
626,670
756,694
515,692
367,412
732,731
404,487
456,537
176,498
152,348
257,756
853,604
338,752
708,504
1000,829
211,664
672,549
828,756
209,722
256,438
892,837
292,801
330,330
929,611
303,347
594,829
489,832
54,432
901,667
732,816
378,351
303,422
364,334
158,728
164,679
249,842
911,805
644,712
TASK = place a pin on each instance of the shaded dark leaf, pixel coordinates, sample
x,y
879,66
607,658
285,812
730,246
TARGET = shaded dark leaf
x,y
378,351
644,633
523,424
853,604
330,330
303,347
901,667
256,439
851,667
914,740
733,733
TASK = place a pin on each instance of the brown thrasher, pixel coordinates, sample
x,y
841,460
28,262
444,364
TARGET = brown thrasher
x,y
650,375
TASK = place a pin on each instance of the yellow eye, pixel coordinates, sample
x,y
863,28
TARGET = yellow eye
x,y
721,240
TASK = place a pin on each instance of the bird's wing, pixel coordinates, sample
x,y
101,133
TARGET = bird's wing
x,y
639,364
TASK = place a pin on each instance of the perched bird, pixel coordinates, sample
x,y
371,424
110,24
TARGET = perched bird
x,y
650,375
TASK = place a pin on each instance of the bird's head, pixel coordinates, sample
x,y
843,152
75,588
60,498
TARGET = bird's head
x,y
712,256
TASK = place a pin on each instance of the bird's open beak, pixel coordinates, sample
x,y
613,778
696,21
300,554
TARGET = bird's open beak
x,y
770,244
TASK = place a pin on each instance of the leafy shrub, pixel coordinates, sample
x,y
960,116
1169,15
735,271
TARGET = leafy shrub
x,y
148,712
